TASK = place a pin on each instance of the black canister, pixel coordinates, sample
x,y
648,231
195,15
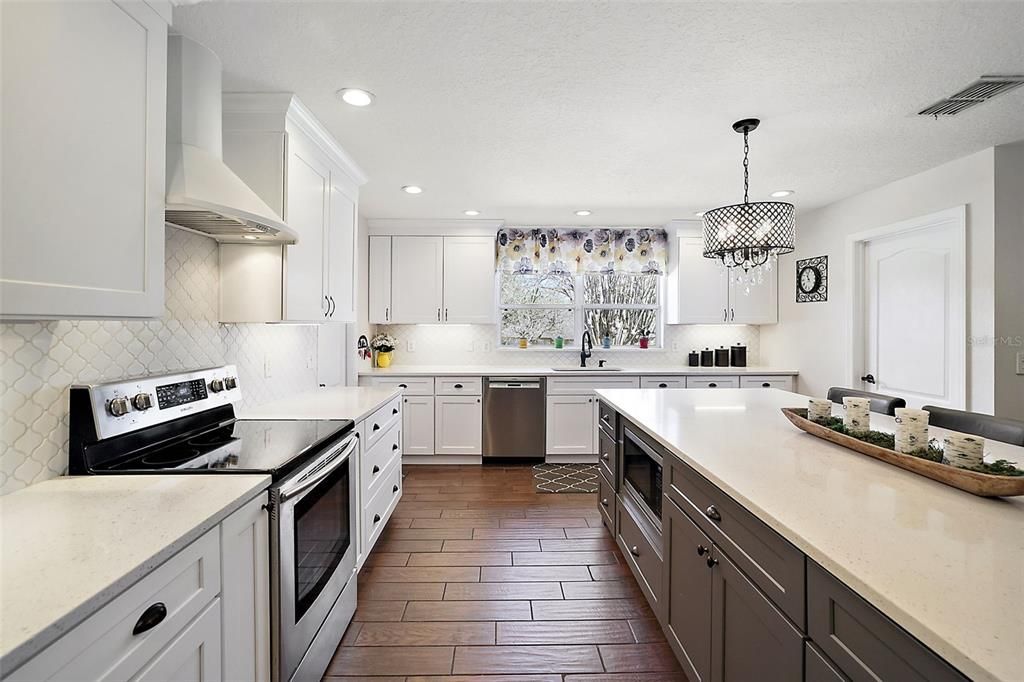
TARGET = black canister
x,y
694,360
707,358
738,356
721,357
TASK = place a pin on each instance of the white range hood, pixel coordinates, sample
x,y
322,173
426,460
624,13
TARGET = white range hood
x,y
203,194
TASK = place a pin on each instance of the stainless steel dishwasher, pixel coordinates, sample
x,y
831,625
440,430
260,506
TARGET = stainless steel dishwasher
x,y
514,417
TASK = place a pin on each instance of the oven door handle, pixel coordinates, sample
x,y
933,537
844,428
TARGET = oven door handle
x,y
335,461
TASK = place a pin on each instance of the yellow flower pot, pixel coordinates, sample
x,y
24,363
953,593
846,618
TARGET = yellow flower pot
x,y
384,359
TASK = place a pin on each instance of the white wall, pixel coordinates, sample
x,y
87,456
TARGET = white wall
x,y
813,336
41,360
1009,260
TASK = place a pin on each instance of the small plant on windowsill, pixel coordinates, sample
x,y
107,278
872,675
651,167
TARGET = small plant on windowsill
x,y
383,346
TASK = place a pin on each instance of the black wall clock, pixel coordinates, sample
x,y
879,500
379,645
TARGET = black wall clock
x,y
812,280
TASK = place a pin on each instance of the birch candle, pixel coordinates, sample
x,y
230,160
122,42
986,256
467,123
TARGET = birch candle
x,y
911,430
856,415
818,409
964,450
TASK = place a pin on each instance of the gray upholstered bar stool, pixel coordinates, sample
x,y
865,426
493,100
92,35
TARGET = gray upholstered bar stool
x,y
984,425
883,404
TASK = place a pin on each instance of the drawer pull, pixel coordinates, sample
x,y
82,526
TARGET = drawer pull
x,y
701,550
712,513
394,447
376,519
403,385
712,562
394,410
712,385
662,385
606,418
458,386
766,385
376,427
604,501
376,469
634,550
150,618
394,490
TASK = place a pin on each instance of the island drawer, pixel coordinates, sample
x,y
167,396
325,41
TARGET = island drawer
x,y
640,542
608,458
459,386
780,382
663,382
861,640
607,418
409,385
713,382
378,423
770,561
606,503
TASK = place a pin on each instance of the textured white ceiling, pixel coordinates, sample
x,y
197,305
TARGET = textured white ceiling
x,y
528,111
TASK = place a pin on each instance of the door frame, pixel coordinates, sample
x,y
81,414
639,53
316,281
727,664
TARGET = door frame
x,y
856,312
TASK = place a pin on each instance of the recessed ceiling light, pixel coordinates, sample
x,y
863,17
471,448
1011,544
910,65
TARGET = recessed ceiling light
x,y
249,236
782,193
471,212
582,212
412,189
356,97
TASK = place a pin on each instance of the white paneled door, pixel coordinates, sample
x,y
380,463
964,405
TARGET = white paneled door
x,y
914,290
469,280
417,264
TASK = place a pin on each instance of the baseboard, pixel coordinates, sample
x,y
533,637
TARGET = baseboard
x,y
571,459
413,460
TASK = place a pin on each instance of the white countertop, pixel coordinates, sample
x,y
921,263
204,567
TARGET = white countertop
x,y
71,544
512,370
946,565
336,402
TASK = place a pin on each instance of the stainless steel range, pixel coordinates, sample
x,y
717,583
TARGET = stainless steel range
x,y
185,424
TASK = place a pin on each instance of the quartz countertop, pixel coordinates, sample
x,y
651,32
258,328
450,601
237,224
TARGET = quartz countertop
x,y
944,564
511,370
70,545
337,402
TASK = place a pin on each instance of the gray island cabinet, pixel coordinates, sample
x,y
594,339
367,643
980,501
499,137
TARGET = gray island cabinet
x,y
736,600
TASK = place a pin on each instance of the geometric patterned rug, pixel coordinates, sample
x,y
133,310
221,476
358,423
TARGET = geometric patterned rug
x,y
565,478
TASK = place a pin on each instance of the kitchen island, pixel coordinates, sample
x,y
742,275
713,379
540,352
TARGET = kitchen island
x,y
800,515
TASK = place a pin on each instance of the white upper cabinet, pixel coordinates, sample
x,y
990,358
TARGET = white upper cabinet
x,y
276,146
704,294
380,280
424,280
83,109
417,264
469,280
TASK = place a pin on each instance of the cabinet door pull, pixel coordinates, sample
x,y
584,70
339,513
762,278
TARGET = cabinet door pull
x,y
334,306
387,314
766,385
701,550
458,386
662,385
394,490
438,314
733,315
445,314
725,314
376,469
376,427
634,550
712,513
403,385
605,456
394,447
376,519
150,618
712,385
712,562
327,306
604,502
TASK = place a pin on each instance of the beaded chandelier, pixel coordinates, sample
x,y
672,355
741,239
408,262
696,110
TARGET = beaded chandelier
x,y
746,235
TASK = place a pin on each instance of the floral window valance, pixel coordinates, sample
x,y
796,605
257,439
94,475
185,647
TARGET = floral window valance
x,y
572,250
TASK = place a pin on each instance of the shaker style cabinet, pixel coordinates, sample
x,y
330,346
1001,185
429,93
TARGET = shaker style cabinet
x,y
571,424
84,140
418,425
705,294
457,425
431,280
286,156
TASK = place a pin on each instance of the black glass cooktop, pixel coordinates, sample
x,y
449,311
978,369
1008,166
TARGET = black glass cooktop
x,y
242,446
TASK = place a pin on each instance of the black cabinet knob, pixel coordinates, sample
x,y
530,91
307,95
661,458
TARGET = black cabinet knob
x,y
394,447
394,410
604,502
150,618
376,518
712,562
605,456
634,550
395,489
713,513
701,550
376,427
376,469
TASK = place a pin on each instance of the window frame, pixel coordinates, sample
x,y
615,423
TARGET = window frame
x,y
579,308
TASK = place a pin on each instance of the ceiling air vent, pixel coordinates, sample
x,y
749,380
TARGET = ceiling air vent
x,y
981,90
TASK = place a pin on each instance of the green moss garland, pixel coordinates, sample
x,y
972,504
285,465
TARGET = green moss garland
x,y
932,452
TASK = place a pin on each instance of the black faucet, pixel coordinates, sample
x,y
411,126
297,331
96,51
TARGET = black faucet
x,y
586,346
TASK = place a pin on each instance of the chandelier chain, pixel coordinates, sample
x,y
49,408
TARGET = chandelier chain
x,y
746,169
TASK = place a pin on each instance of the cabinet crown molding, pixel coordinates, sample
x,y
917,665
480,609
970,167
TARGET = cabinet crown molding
x,y
433,227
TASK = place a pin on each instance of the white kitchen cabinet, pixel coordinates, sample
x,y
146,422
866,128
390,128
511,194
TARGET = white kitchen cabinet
x,y
380,280
417,266
195,655
330,354
245,593
418,425
469,280
286,156
458,425
84,138
571,427
705,294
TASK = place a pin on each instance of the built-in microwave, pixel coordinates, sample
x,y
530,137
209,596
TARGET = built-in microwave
x,y
642,473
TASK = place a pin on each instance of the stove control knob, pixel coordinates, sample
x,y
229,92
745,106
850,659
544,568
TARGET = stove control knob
x,y
217,385
142,401
230,383
119,406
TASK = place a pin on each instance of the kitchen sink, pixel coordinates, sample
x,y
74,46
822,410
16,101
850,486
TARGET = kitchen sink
x,y
587,369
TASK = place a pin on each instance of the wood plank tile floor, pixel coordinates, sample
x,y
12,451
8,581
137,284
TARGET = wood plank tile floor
x,y
480,577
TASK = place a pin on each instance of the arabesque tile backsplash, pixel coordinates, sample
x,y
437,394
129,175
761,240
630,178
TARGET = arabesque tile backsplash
x,y
41,360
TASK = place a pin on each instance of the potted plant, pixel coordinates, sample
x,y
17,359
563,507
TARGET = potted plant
x,y
383,346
